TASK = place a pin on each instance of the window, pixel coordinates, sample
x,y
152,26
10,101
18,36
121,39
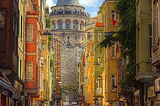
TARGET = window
x,y
106,53
88,35
92,48
20,69
150,41
113,82
74,25
53,26
2,19
113,51
29,70
106,19
75,37
99,58
113,15
106,83
88,80
15,25
88,65
99,37
88,96
2,29
41,81
156,19
67,25
29,32
99,81
60,25
42,46
21,26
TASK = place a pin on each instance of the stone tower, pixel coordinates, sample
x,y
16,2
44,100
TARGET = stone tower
x,y
67,24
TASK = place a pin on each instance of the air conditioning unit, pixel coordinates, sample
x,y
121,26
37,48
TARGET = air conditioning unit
x,y
157,85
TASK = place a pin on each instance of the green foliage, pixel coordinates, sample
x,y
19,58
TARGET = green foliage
x,y
49,41
48,22
51,63
126,35
47,9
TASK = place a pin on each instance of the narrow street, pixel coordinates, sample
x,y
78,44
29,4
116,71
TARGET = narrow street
x,y
79,53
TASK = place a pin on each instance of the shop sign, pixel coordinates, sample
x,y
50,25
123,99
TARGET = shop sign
x,y
157,85
17,94
17,85
99,90
151,92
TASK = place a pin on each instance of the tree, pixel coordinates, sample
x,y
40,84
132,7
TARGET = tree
x,y
126,35
48,22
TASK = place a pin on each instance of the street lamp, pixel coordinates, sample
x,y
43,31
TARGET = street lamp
x,y
47,33
107,35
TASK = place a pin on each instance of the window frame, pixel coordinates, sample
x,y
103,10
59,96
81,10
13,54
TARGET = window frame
x,y
99,37
27,64
113,51
42,46
60,25
113,79
150,41
31,32
2,30
113,15
156,18
106,89
67,25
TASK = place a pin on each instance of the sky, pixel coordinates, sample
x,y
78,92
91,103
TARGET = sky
x,y
91,6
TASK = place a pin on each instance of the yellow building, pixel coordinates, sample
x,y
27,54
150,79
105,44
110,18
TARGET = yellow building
x,y
110,74
21,41
89,61
46,69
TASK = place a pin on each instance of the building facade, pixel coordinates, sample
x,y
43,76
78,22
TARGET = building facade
x,y
110,56
11,86
143,50
36,57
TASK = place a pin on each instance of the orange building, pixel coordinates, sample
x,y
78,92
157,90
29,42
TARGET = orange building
x,y
32,57
90,73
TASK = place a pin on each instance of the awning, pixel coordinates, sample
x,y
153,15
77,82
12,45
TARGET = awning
x,y
5,84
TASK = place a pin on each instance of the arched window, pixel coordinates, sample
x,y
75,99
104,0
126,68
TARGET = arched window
x,y
53,26
67,25
74,25
60,25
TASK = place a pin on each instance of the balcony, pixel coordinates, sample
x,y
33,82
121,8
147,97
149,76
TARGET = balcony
x,y
67,13
145,77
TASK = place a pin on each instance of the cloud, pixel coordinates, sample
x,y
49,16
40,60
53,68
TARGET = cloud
x,y
50,3
93,14
89,3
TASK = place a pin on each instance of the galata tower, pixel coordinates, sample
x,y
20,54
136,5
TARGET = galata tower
x,y
68,19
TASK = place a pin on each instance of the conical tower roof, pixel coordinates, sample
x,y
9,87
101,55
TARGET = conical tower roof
x,y
67,2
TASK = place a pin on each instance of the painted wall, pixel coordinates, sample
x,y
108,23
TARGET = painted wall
x,y
110,61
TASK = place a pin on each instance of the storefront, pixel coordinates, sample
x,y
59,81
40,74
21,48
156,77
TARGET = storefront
x,y
6,90
157,91
10,95
16,98
151,96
